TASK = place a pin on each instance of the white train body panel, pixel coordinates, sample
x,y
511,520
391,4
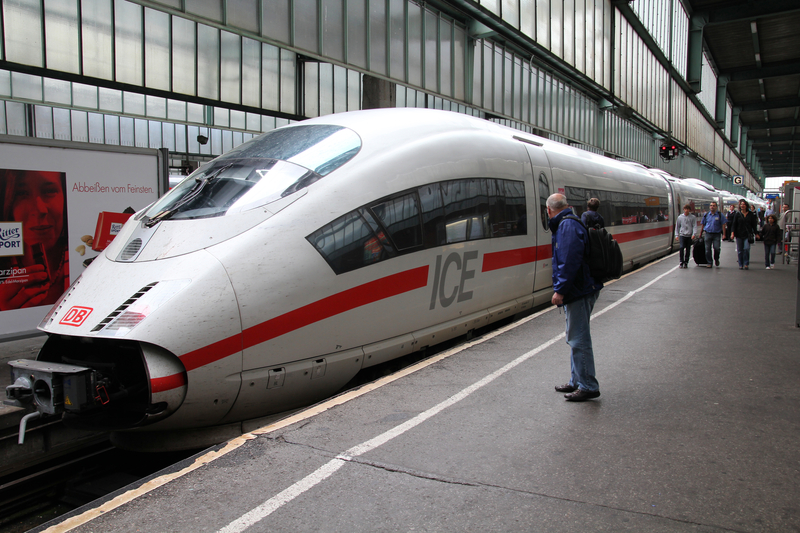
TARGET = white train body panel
x,y
270,301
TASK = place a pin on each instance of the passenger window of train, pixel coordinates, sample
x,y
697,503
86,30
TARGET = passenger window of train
x,y
466,209
400,216
544,194
348,243
430,198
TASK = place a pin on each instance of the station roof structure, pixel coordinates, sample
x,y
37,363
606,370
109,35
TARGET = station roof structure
x,y
755,47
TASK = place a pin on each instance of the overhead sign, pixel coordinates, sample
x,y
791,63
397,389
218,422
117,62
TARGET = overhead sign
x,y
738,180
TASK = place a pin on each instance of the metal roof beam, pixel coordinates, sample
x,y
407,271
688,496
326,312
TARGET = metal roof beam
x,y
751,11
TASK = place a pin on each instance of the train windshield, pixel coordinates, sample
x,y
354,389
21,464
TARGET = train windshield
x,y
258,172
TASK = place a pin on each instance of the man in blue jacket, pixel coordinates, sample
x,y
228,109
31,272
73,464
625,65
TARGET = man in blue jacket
x,y
577,291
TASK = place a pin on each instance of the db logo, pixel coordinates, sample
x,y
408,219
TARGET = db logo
x,y
75,316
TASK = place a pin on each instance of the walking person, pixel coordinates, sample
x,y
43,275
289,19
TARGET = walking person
x,y
686,232
744,231
729,217
590,217
577,292
713,225
771,235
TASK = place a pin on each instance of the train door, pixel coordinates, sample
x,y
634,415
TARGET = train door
x,y
674,209
538,226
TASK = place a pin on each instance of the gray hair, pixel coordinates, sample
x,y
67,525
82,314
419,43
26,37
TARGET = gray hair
x,y
557,202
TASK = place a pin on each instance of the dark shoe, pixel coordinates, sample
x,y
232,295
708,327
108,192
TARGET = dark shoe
x,y
716,262
581,395
566,387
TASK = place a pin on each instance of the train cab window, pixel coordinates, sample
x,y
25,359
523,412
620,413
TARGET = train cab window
x,y
544,194
260,171
401,217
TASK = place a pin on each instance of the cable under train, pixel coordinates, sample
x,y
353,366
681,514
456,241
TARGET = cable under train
x,y
273,274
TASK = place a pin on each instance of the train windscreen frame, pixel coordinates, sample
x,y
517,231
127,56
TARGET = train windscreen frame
x,y
262,170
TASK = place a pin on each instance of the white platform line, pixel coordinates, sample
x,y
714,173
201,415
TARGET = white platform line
x,y
316,477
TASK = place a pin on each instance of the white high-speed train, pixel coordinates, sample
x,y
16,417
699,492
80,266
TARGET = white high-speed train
x,y
272,275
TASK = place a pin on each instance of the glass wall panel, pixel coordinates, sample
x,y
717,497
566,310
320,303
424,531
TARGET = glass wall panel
x,y
5,83
184,69
288,80
580,35
110,99
415,44
238,119
15,118
589,39
270,77
339,89
251,72
602,44
332,26
353,90
357,32
43,115
431,51
133,103
325,89
155,107
195,113
275,20
111,129
543,23
557,27
208,61
22,23
459,61
95,121
527,24
26,87
156,49
168,136
210,9
445,57
511,12
221,117
377,32
397,37
244,13
568,36
230,67
306,30
84,96
311,91
128,42
61,29
57,91
62,124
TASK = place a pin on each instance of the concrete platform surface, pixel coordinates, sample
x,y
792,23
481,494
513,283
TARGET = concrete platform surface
x,y
696,430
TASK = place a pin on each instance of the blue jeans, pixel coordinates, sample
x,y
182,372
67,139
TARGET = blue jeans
x,y
579,339
769,253
743,251
716,240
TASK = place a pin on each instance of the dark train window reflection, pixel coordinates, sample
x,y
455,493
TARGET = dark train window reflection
x,y
432,215
618,208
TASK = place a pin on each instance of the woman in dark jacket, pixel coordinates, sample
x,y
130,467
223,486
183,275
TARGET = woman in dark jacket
x,y
771,235
745,223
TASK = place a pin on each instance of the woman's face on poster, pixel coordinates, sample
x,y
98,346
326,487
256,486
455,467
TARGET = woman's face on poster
x,y
39,205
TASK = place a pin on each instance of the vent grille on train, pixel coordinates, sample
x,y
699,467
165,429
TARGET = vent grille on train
x,y
131,249
119,318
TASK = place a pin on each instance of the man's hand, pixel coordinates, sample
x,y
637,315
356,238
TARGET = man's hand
x,y
557,299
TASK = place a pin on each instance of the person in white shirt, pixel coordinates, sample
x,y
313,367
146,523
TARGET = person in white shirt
x,y
686,232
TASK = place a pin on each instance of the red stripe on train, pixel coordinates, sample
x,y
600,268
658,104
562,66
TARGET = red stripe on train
x,y
510,258
167,383
368,293
636,235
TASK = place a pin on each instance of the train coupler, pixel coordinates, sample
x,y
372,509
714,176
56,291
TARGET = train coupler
x,y
50,388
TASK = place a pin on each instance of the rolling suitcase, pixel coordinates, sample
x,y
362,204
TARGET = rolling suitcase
x,y
699,252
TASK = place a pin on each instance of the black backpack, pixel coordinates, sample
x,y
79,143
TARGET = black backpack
x,y
602,253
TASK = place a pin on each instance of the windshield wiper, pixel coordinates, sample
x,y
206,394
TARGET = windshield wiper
x,y
194,192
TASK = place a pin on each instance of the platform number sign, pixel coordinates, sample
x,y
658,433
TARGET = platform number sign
x,y
738,180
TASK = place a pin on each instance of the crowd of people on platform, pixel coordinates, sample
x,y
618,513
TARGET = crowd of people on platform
x,y
744,225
